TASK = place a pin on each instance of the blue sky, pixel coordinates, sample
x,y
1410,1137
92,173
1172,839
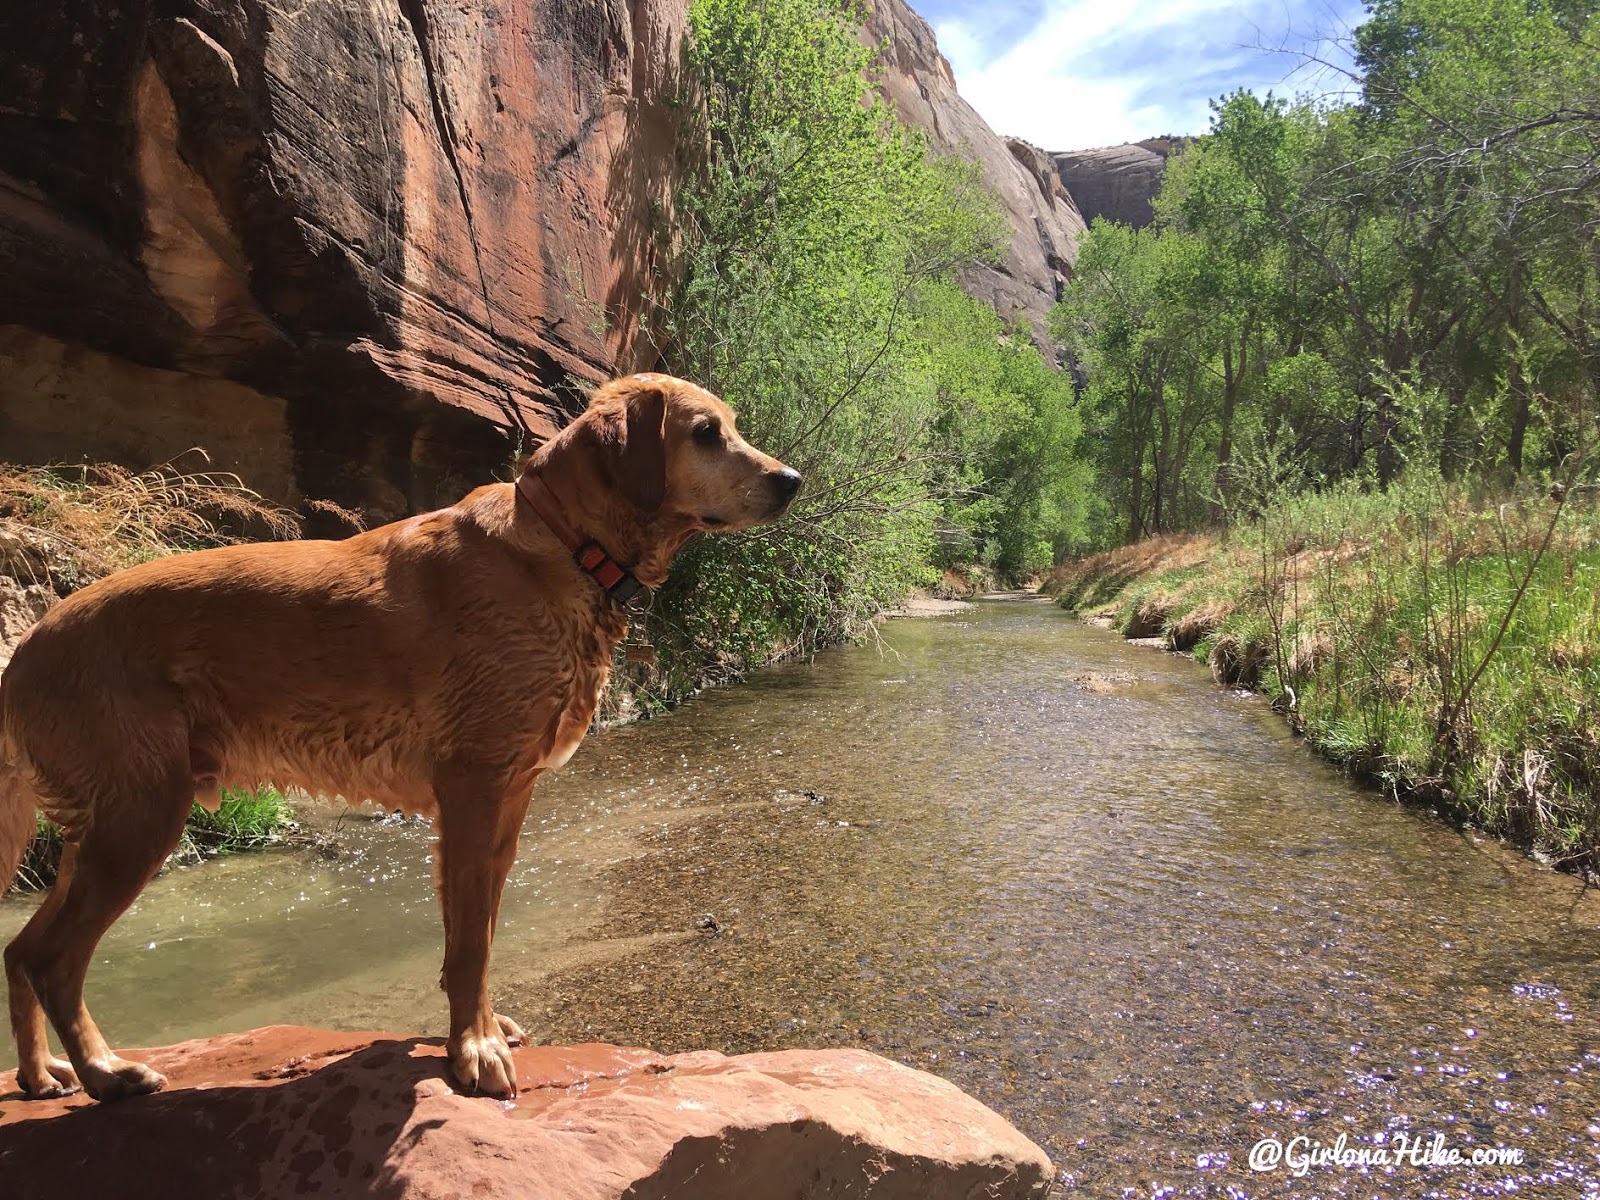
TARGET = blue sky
x,y
1070,74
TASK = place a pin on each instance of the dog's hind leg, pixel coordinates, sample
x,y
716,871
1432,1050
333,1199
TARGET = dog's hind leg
x,y
120,849
478,828
40,1075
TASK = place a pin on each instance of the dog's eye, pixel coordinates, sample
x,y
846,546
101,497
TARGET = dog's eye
x,y
707,433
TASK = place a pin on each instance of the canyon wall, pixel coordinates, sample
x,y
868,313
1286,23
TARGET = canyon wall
x,y
356,250
1117,182
1045,222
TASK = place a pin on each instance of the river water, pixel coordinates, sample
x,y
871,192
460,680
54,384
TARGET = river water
x,y
1116,903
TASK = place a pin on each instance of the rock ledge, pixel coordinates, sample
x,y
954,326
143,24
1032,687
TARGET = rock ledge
x,y
286,1110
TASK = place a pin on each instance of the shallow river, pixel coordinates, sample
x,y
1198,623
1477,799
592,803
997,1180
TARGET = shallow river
x,y
1118,904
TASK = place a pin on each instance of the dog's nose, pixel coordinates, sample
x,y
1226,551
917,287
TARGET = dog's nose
x,y
786,483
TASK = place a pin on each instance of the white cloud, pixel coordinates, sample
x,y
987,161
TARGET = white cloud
x,y
1088,73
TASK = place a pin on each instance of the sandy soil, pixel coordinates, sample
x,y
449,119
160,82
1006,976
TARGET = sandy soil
x,y
927,606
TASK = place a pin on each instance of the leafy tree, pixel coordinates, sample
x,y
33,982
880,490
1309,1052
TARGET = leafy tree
x,y
1012,481
814,291
1346,289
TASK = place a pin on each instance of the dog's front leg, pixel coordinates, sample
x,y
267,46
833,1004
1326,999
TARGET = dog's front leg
x,y
478,827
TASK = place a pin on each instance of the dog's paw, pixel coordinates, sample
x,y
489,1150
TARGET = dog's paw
x,y
57,1079
118,1078
511,1031
483,1063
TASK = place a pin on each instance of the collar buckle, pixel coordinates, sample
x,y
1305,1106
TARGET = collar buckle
x,y
618,583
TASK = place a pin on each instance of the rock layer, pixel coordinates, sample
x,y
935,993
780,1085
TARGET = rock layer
x,y
351,241
1117,182
1045,223
287,1111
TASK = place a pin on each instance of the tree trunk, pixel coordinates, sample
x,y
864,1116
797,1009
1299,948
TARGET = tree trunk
x,y
1230,394
1520,392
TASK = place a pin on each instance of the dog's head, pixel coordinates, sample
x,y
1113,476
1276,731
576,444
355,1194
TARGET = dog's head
x,y
674,450
655,459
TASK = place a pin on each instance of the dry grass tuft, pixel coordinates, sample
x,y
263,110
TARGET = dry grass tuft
x,y
1573,653
69,525
1149,616
1312,649
1188,631
1236,661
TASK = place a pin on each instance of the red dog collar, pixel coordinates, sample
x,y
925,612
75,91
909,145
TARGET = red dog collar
x,y
616,581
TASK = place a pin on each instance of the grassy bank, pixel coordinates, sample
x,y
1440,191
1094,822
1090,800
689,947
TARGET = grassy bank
x,y
248,819
1442,644
62,528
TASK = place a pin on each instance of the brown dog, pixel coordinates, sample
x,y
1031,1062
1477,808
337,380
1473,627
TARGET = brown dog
x,y
437,664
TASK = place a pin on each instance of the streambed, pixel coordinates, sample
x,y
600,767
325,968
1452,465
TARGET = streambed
x,y
1114,902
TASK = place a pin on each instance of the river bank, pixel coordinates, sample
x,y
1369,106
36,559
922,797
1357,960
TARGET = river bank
x,y
1445,651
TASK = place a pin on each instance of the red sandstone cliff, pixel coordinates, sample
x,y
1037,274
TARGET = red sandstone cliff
x,y
1045,222
340,245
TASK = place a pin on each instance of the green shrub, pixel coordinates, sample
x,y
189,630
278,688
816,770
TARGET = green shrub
x,y
815,291
247,819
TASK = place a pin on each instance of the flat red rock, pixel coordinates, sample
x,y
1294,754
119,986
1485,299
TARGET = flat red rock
x,y
289,1111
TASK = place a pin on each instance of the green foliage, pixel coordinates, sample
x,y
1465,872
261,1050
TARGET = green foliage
x,y
247,819
816,295
1012,483
1343,290
1134,314
1366,339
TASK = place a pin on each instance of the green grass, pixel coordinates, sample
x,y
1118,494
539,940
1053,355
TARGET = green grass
x,y
248,819
1441,645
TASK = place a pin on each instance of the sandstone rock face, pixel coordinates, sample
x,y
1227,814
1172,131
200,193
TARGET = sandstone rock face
x,y
364,250
285,1111
1117,182
22,605
353,244
1046,224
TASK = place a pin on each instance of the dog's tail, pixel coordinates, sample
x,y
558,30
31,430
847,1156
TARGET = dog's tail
x,y
19,822
19,809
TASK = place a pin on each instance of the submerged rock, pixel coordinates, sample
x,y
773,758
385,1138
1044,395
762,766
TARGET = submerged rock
x,y
286,1111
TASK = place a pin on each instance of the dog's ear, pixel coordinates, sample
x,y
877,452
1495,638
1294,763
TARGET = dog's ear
x,y
641,469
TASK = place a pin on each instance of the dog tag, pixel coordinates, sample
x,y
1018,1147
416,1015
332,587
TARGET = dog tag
x,y
640,653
